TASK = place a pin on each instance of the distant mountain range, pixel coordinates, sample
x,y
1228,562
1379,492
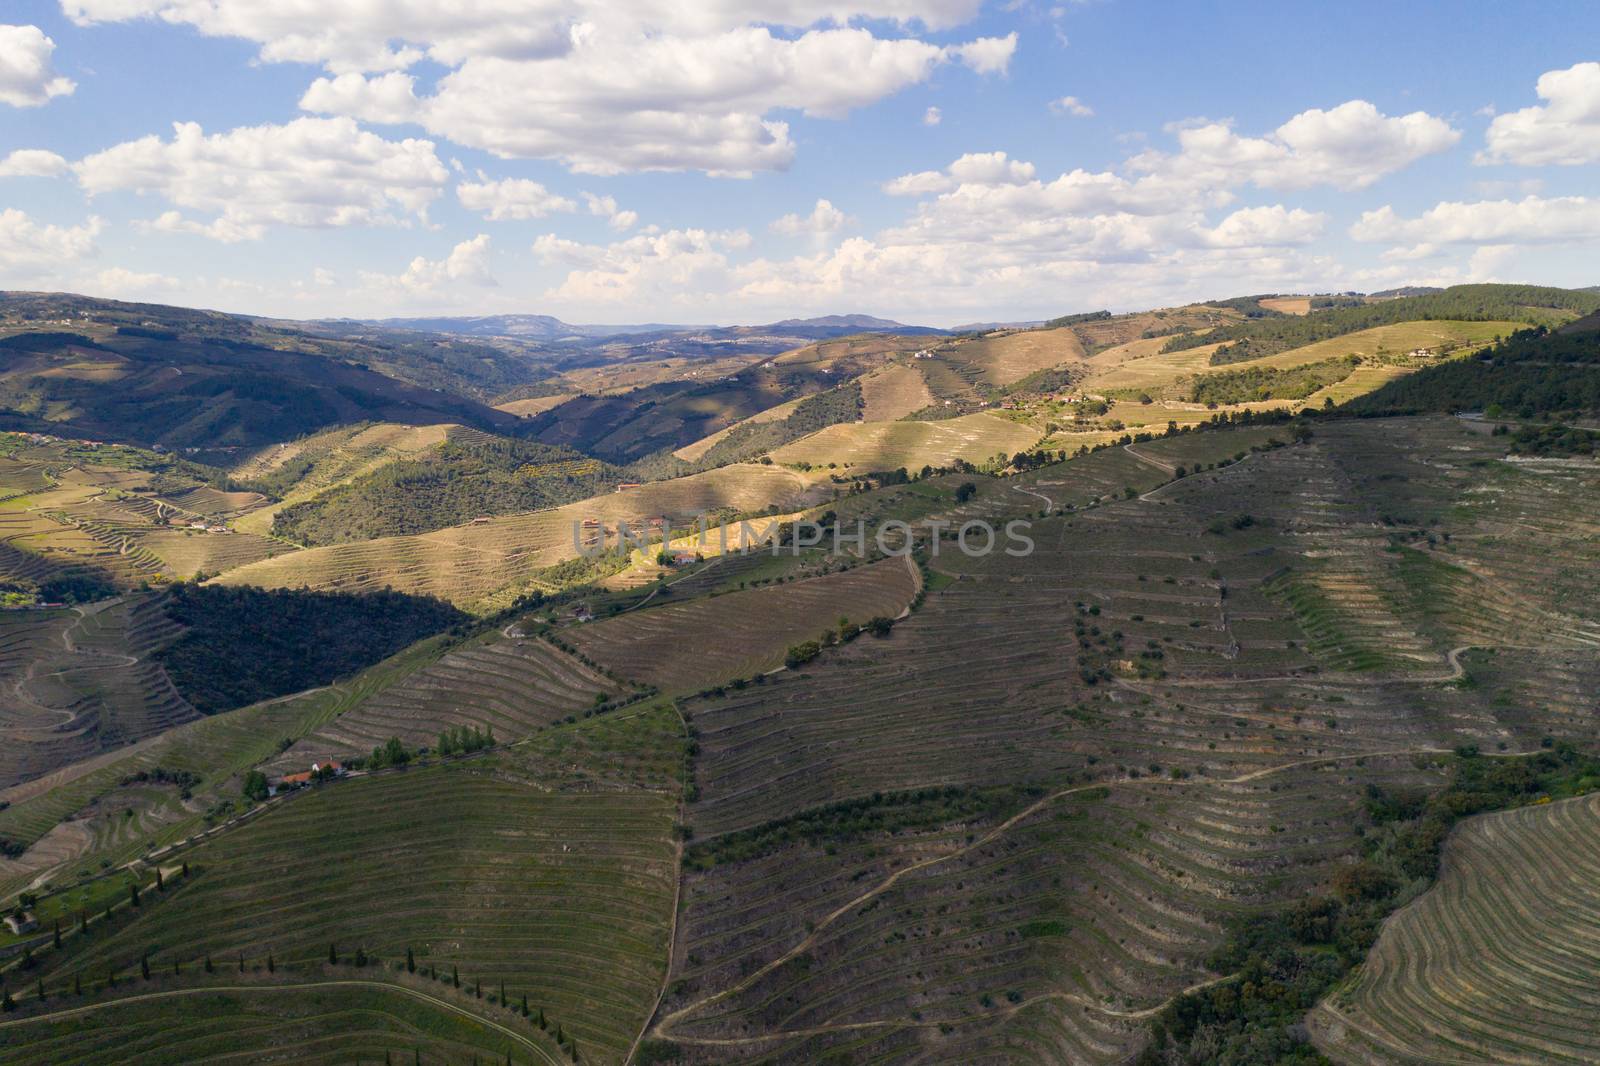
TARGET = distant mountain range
x,y
551,330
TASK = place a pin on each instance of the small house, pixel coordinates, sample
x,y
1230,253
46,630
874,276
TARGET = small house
x,y
21,923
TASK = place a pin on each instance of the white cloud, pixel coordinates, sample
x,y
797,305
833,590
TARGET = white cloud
x,y
512,198
932,117
32,163
823,220
1350,146
121,283
1533,219
1266,227
1564,131
1071,105
309,173
602,85
660,267
466,266
606,207
29,246
394,34
388,98
26,77
988,55
664,103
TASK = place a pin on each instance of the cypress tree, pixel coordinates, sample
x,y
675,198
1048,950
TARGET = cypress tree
x,y
41,990
241,962
186,870
209,968
411,961
271,967
524,1004
477,988
177,969
455,975
133,894
161,885
58,932
333,956
502,993
83,921
144,966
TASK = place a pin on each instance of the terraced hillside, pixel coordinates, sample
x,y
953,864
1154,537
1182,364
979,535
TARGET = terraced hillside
x,y
341,1019
564,897
467,564
73,821
746,633
1143,664
508,686
82,682
1496,962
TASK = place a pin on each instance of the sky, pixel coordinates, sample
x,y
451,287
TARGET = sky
x,y
740,161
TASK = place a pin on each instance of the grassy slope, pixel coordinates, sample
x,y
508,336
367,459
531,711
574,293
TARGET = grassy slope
x,y
466,564
887,445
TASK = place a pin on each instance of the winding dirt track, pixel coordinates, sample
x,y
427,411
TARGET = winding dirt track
x,y
663,1027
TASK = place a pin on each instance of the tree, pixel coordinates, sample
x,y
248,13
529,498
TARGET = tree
x,y
524,1004
271,964
133,894
255,786
144,966
186,870
965,491
411,961
177,968
161,884
241,962
58,933
361,956
333,955
209,967
455,976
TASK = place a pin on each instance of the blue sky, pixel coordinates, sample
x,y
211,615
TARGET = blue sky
x,y
931,160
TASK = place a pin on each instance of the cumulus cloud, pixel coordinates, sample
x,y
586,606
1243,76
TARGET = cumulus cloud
x,y
1071,105
1532,219
26,77
311,172
665,103
467,266
32,163
673,86
1350,146
1563,131
1266,227
823,220
681,267
122,283
513,198
932,117
30,246
980,168
606,207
